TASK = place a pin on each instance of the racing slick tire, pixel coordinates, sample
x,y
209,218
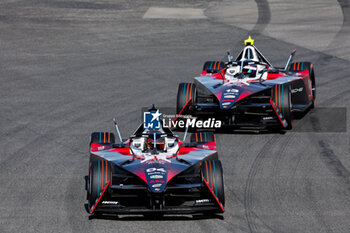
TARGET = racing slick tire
x,y
100,174
212,175
301,66
186,92
203,137
287,106
213,67
102,138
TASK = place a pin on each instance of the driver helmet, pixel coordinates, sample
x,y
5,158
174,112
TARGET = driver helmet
x,y
250,70
160,141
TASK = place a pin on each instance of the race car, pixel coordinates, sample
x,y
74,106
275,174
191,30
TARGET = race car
x,y
154,172
249,92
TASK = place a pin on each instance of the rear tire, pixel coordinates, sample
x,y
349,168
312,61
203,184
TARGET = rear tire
x,y
102,138
212,173
99,174
301,66
203,137
213,67
185,92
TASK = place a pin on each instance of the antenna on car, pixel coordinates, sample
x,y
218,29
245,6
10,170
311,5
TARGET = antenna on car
x,y
229,56
289,59
117,129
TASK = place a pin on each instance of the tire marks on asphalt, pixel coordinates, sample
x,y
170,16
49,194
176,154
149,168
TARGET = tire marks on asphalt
x,y
311,202
333,163
339,46
264,16
251,217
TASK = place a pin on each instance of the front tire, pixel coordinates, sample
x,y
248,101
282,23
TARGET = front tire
x,y
100,174
212,173
287,106
313,85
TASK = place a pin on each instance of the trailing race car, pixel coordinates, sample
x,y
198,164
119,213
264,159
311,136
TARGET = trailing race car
x,y
154,172
249,92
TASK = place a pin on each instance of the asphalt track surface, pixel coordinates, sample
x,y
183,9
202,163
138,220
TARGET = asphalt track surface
x,y
68,67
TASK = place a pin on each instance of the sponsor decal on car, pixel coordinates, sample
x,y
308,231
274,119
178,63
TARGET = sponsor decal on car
x,y
156,173
110,203
295,90
157,181
232,90
156,177
156,185
230,96
202,201
267,118
154,169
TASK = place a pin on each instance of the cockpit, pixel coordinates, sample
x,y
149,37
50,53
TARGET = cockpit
x,y
250,64
160,141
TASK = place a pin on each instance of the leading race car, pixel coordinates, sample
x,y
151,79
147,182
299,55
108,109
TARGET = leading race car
x,y
154,172
249,92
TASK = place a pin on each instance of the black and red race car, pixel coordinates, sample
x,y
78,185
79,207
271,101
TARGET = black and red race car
x,y
154,173
249,92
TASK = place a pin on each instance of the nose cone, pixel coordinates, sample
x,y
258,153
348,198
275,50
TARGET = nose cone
x,y
229,97
156,178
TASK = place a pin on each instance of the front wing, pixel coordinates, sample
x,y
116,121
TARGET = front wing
x,y
179,197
